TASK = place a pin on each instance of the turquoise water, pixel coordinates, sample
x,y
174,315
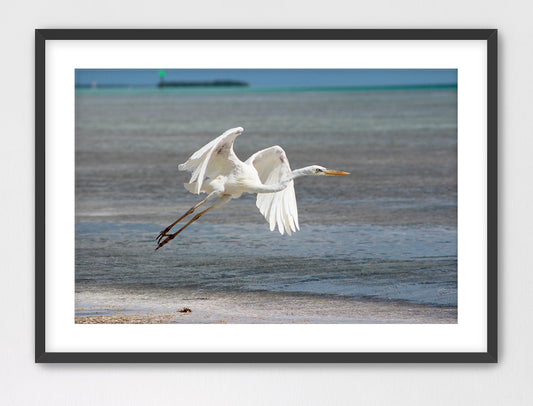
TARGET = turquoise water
x,y
387,232
133,90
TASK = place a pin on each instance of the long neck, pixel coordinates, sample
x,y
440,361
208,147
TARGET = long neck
x,y
277,187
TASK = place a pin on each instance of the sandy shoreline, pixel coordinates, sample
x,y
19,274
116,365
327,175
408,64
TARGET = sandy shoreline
x,y
252,308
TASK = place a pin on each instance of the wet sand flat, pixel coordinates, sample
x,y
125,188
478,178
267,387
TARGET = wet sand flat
x,y
253,308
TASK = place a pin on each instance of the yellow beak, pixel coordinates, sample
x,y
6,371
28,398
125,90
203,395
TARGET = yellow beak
x,y
332,172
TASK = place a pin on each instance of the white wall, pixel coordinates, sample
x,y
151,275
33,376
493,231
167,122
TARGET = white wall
x,y
23,382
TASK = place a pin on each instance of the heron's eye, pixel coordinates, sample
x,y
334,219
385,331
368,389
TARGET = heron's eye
x,y
318,170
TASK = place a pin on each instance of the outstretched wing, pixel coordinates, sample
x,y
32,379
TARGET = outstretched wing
x,y
213,159
279,208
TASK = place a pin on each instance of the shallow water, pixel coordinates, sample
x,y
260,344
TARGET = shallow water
x,y
387,232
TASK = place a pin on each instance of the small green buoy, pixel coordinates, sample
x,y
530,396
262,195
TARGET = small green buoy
x,y
162,74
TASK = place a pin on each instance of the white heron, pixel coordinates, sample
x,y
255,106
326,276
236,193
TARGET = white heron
x,y
219,173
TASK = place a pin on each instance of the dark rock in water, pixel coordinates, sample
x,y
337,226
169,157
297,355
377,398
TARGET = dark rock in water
x,y
185,310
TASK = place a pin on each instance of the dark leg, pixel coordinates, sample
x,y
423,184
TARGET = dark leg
x,y
190,211
220,202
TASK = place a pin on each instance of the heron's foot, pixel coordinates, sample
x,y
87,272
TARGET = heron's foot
x,y
167,239
163,234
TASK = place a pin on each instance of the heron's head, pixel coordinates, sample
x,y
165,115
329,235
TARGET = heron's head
x,y
320,170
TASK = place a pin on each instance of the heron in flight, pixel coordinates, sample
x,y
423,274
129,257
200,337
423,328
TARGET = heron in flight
x,y
219,173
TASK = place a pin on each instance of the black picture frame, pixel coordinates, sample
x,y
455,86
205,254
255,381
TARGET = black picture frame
x,y
488,35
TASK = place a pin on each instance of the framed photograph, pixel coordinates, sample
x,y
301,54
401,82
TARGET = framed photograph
x,y
266,196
